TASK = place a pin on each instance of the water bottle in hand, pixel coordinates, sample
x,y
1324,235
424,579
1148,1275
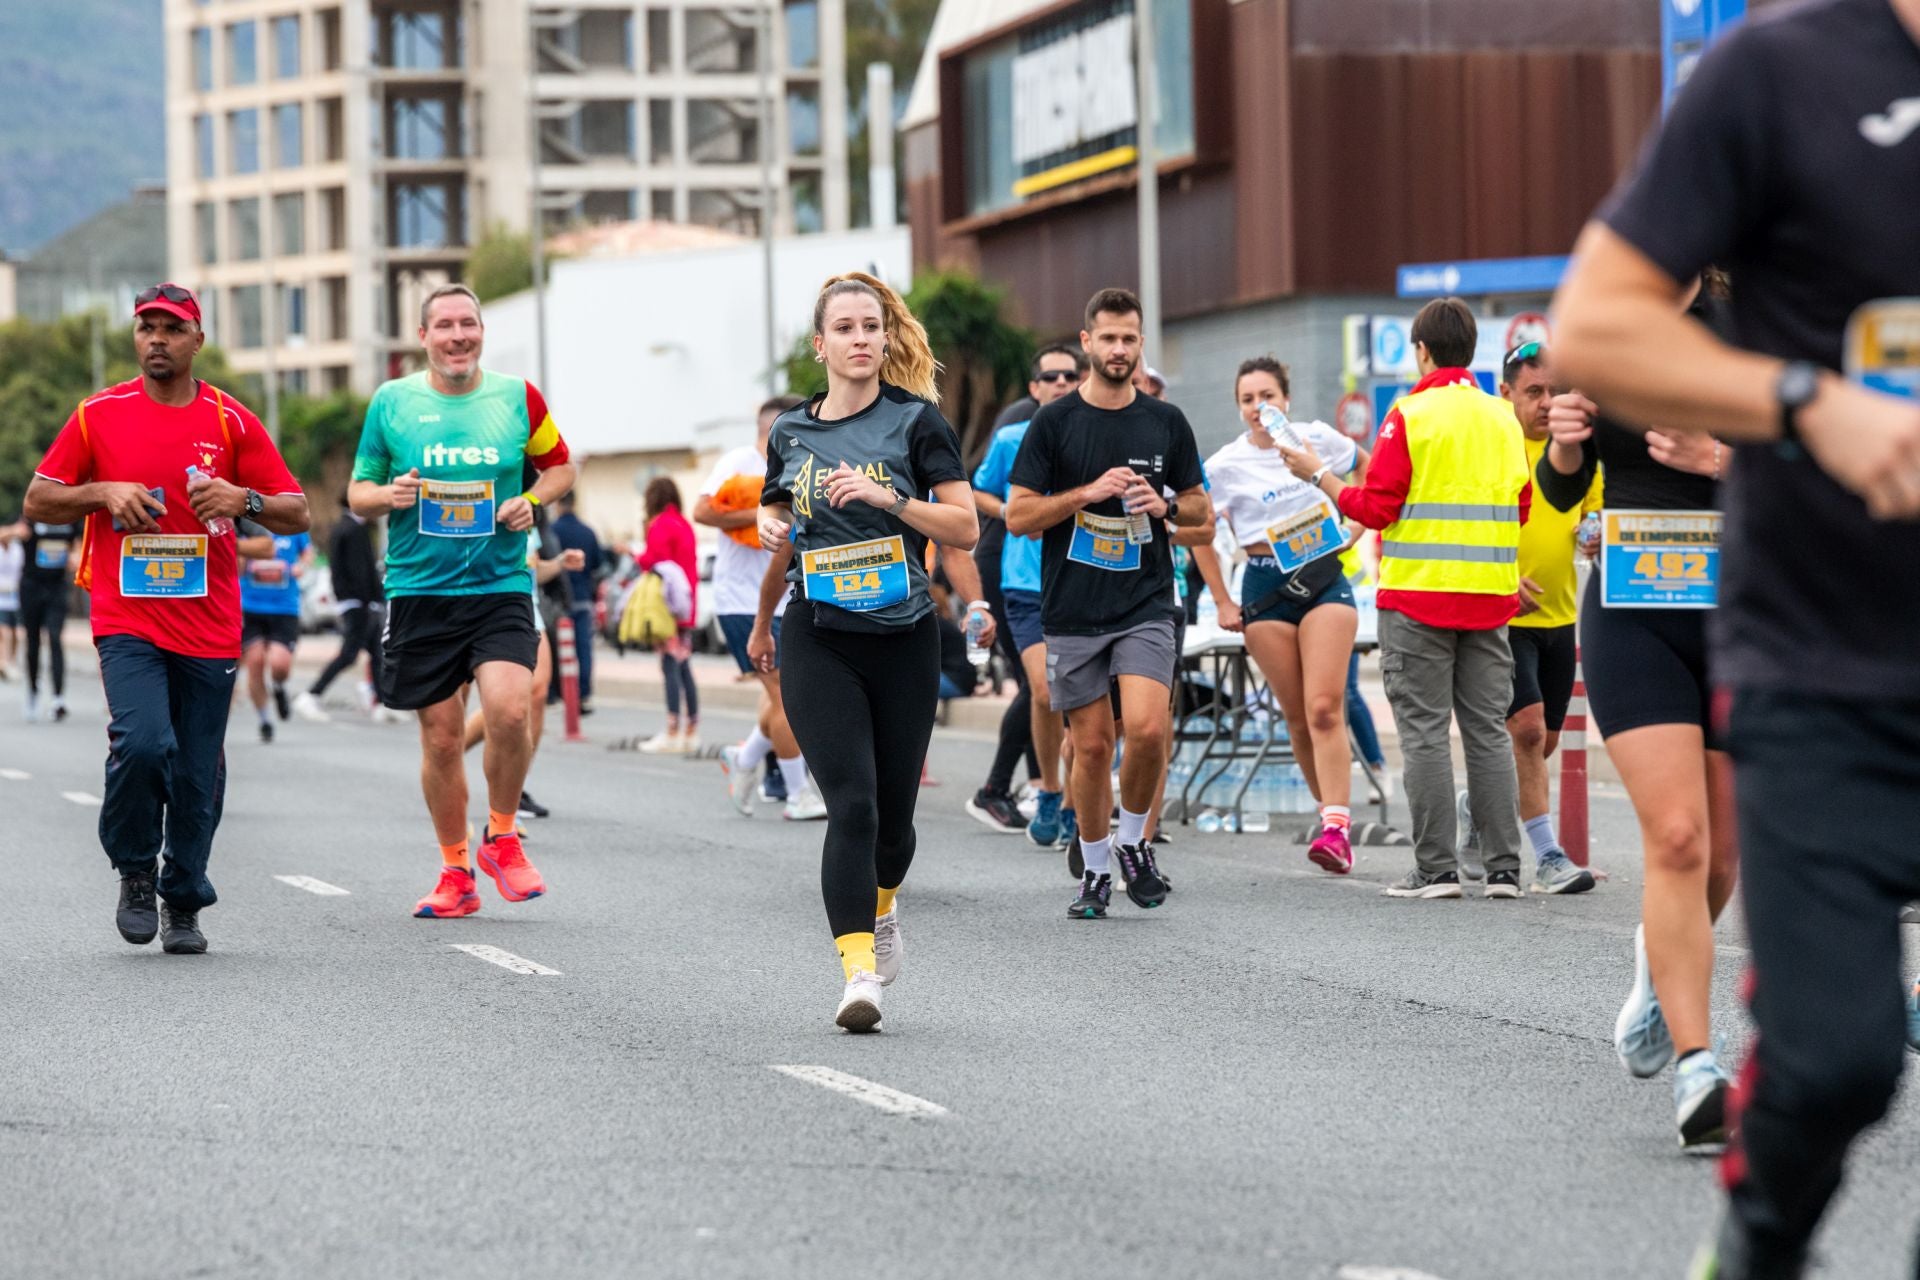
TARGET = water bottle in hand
x,y
976,627
219,526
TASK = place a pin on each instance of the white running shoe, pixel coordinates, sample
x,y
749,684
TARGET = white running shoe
x,y
1640,1034
860,1003
664,743
308,707
33,708
741,783
888,950
384,714
806,806
690,742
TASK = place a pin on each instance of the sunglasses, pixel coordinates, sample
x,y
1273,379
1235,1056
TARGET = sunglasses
x,y
1525,351
170,292
1056,375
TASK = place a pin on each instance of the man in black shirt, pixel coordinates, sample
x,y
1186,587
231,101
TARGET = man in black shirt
x,y
52,551
1792,159
358,597
1098,469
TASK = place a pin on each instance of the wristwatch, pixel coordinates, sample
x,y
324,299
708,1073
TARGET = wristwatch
x,y
1173,509
900,501
255,504
1798,384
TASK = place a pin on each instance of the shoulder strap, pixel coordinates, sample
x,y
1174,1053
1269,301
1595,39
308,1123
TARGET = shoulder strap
x,y
220,411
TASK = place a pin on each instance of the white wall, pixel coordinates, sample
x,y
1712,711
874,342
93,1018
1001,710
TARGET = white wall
x,y
668,350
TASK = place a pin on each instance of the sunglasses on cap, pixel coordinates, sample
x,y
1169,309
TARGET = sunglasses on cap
x,y
1056,375
159,292
1525,351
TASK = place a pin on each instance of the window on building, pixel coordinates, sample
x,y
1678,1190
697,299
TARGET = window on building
x,y
243,141
210,314
605,128
327,23
727,210
333,219
333,304
206,232
286,47
803,187
290,223
290,302
722,41
243,228
289,135
293,382
419,129
205,163
420,218
660,130
803,119
607,206
335,378
662,206
803,33
659,41
333,131
419,41
243,57
248,323
606,39
722,131
203,58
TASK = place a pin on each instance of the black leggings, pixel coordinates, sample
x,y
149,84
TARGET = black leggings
x,y
861,704
43,606
678,673
359,630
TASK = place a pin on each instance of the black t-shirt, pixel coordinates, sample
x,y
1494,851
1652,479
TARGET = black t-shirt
x,y
1789,160
899,439
50,552
1072,443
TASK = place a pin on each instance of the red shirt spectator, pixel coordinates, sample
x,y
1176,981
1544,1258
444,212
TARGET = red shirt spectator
x,y
670,539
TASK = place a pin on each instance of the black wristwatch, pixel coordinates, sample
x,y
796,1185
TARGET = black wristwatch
x,y
1798,384
255,504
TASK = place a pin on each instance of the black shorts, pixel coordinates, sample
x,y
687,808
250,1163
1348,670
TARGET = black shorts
x,y
1645,667
275,628
1543,663
433,643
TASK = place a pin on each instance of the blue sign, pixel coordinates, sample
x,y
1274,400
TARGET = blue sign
x,y
1687,27
1480,277
1386,393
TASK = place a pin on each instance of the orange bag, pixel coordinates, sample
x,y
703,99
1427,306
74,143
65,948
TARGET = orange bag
x,y
740,493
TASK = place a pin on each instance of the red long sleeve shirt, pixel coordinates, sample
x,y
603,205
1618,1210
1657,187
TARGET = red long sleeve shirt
x,y
670,537
1376,504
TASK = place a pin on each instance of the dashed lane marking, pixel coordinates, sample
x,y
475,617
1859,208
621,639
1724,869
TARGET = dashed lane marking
x,y
311,885
1382,1273
15,775
505,959
81,797
891,1101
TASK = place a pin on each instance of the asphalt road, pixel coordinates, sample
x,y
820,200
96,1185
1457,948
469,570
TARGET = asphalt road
x,y
1277,1075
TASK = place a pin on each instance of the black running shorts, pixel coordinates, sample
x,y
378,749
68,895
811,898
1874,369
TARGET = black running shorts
x,y
1645,667
1543,663
275,628
432,644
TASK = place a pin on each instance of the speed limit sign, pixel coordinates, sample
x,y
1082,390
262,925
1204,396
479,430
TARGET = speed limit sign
x,y
1354,416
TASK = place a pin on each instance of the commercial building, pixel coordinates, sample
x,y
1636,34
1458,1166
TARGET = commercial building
x,y
1307,149
329,161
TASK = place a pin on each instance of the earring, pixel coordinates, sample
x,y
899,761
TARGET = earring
x,y
818,358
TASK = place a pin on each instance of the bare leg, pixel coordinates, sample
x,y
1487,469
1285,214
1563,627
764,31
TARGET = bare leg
x,y
1048,732
443,771
505,688
1090,732
1143,705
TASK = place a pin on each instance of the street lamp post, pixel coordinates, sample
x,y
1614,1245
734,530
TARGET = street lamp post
x,y
765,61
1146,99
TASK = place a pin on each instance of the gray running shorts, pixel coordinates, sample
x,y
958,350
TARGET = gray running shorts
x,y
1080,669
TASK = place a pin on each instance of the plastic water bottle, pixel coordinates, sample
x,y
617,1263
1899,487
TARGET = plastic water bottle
x,y
219,526
976,627
1139,527
1589,529
1256,812
1208,823
1276,424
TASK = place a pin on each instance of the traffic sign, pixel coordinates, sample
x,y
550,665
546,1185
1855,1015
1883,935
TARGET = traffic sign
x,y
1529,326
1354,416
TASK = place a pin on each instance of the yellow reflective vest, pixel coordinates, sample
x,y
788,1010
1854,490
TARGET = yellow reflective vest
x,y
1459,529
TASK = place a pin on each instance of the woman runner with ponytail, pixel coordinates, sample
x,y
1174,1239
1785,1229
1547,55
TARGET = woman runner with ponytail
x,y
849,506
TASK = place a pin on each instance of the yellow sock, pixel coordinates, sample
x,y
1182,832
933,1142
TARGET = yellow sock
x,y
499,824
455,855
856,952
883,903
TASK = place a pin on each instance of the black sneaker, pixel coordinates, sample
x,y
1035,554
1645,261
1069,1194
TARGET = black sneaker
x,y
531,808
266,731
1502,884
997,810
182,936
138,917
1095,893
280,703
1418,884
1144,884
1153,866
1076,861
773,787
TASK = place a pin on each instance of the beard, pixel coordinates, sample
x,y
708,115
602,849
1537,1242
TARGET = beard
x,y
1104,371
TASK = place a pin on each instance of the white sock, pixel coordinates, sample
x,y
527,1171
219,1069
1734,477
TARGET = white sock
x,y
1133,826
755,749
263,714
795,773
1098,853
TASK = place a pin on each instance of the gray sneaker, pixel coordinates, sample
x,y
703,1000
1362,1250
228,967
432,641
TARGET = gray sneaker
x,y
1418,884
1555,873
1467,848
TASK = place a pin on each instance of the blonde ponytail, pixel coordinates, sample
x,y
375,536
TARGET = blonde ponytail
x,y
909,362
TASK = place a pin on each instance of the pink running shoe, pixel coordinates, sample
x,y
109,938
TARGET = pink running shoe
x,y
1331,852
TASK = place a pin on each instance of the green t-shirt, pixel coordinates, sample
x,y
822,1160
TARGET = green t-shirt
x,y
471,451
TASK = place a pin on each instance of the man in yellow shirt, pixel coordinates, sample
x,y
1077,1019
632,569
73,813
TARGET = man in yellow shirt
x,y
1543,635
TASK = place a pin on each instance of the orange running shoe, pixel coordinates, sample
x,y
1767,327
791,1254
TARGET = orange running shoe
x,y
502,858
455,895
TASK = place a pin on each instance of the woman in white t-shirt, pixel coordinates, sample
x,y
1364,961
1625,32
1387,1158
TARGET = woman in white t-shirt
x,y
1295,606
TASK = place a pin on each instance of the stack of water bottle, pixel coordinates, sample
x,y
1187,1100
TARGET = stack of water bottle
x,y
1276,786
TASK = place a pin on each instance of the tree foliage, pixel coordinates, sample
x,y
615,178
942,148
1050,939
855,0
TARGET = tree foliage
x,y
893,32
501,263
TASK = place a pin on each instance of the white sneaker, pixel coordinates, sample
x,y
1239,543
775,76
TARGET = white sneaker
x,y
690,742
363,695
807,806
741,783
860,1003
33,708
1028,801
888,950
1640,1034
664,743
384,714
307,707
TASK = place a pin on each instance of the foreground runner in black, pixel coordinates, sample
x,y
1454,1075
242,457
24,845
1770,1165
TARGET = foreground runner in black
x,y
1792,158
852,481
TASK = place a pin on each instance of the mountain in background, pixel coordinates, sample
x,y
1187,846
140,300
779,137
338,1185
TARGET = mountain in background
x,y
84,114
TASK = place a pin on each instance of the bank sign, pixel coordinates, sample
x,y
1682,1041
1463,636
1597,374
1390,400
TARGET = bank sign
x,y
1075,109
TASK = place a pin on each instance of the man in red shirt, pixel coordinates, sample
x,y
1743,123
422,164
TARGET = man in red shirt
x,y
1450,486
166,599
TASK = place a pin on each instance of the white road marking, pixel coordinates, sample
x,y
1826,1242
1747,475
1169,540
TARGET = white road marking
x,y
80,797
1382,1273
874,1095
505,959
311,885
15,775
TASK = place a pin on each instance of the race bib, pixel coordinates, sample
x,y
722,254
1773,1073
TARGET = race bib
x,y
1883,347
163,565
859,576
456,508
50,554
1102,542
1305,537
268,573
1660,559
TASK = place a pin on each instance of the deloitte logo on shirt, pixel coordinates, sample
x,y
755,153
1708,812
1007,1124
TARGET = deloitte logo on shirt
x,y
446,455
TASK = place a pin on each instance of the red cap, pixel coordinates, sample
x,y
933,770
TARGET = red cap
x,y
181,304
